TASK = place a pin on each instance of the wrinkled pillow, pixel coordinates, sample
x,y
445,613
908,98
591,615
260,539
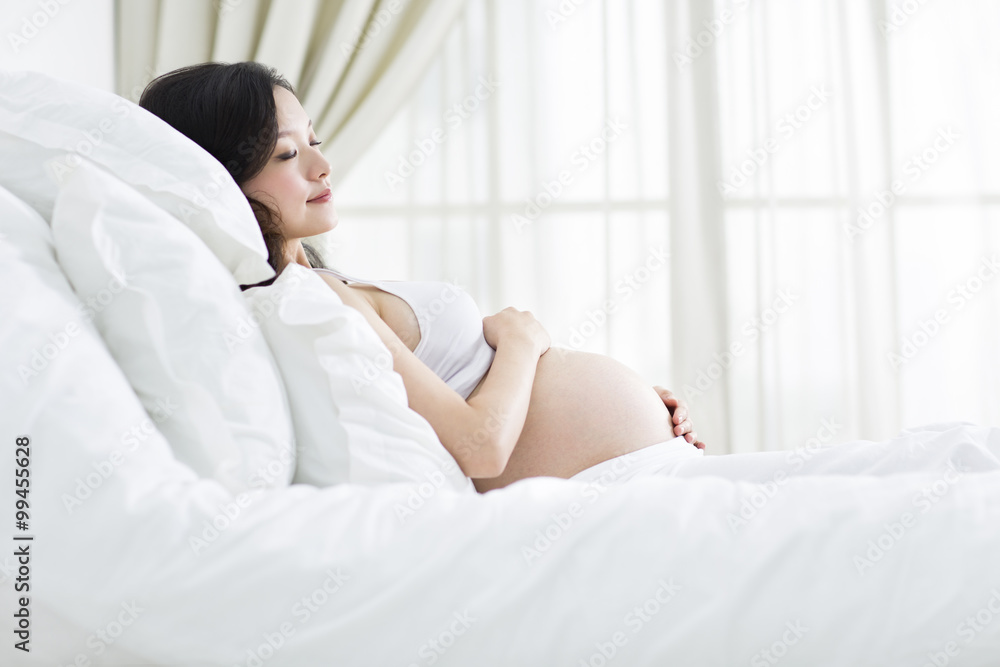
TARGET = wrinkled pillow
x,y
175,321
346,431
47,119
23,230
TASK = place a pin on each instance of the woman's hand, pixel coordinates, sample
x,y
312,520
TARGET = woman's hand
x,y
513,323
679,413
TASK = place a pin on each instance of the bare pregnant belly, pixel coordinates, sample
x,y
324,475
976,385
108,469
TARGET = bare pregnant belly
x,y
585,408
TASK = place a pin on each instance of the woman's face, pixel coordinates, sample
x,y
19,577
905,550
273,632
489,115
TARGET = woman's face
x,y
296,174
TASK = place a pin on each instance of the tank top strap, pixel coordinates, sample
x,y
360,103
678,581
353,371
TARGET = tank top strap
x,y
344,276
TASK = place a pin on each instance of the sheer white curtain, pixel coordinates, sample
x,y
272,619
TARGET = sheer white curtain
x,y
821,175
352,62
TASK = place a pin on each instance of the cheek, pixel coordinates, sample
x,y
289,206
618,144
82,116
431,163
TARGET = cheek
x,y
282,188
289,189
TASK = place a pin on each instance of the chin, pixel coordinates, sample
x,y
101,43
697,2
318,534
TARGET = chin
x,y
321,226
331,222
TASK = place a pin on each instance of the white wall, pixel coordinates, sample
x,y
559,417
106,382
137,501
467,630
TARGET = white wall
x,y
71,39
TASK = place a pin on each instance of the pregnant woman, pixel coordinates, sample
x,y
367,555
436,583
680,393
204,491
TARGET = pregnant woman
x,y
502,403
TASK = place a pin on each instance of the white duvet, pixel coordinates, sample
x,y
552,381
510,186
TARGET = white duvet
x,y
857,554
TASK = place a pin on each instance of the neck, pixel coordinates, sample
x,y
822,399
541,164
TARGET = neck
x,y
294,252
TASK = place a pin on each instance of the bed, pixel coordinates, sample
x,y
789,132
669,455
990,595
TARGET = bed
x,y
206,486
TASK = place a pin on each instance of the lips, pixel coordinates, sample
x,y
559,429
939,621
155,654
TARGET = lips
x,y
322,197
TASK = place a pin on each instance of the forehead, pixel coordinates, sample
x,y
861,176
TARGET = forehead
x,y
291,115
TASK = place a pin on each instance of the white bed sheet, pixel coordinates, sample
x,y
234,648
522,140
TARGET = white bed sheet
x,y
547,572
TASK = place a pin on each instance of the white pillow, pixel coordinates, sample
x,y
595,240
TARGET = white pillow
x,y
24,230
346,431
176,323
43,117
80,409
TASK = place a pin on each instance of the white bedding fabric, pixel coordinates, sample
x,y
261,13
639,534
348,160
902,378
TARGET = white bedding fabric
x,y
178,327
546,572
47,123
352,419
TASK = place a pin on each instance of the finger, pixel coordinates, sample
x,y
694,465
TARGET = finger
x,y
663,393
671,405
682,428
699,444
680,415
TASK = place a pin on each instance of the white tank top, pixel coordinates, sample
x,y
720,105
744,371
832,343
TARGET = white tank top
x,y
451,329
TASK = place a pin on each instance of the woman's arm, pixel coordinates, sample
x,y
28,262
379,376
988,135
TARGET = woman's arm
x,y
482,432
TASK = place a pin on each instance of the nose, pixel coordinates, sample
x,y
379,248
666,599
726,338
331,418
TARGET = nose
x,y
321,166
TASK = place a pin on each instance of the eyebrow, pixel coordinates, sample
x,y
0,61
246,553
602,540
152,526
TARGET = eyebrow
x,y
281,134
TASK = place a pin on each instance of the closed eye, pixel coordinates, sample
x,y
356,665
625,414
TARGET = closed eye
x,y
289,156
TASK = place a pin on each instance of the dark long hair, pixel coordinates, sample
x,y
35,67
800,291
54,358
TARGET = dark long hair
x,y
229,110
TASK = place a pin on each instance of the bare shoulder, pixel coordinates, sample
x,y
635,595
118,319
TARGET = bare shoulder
x,y
351,295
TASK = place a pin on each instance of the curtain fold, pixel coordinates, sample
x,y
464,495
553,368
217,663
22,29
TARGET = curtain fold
x,y
697,233
352,62
753,399
871,259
